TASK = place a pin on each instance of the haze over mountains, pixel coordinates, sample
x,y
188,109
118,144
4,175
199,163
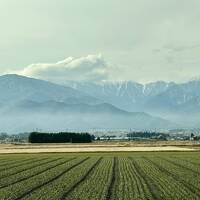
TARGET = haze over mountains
x,y
179,103
27,104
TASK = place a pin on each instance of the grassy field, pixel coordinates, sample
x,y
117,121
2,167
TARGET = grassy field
x,y
136,175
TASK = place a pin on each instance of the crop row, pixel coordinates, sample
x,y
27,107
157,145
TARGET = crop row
x,y
35,169
65,182
14,169
190,161
96,184
135,187
16,163
179,173
163,184
114,177
38,178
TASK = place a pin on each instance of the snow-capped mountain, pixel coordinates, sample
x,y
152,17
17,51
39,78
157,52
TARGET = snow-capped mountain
x,y
15,88
127,95
27,104
179,103
133,96
172,101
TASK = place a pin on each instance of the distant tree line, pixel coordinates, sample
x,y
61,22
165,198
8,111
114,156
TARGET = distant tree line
x,y
3,136
194,137
146,134
62,137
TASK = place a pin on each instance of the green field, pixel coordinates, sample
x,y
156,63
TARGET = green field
x,y
158,175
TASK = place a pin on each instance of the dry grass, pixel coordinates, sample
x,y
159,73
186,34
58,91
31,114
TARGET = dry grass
x,y
102,147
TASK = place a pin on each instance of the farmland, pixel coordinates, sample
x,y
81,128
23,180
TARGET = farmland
x,y
127,175
113,146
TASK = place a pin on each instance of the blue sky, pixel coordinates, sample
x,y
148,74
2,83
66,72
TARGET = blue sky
x,y
140,40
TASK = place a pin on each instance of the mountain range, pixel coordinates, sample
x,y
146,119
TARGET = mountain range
x,y
28,103
177,102
138,97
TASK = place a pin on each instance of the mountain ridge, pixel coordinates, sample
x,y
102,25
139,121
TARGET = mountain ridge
x,y
178,102
45,105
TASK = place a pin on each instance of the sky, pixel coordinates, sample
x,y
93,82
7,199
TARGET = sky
x,y
139,40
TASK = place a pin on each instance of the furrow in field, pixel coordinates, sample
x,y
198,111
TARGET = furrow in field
x,y
109,193
82,179
188,162
17,189
143,187
193,160
163,183
63,183
194,190
183,166
95,184
13,163
58,175
8,160
24,175
2,160
135,187
129,176
193,163
187,175
151,185
13,171
22,163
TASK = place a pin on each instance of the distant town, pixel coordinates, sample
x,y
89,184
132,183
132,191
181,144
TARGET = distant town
x,y
118,135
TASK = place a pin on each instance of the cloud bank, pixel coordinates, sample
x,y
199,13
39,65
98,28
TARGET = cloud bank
x,y
95,68
151,40
89,68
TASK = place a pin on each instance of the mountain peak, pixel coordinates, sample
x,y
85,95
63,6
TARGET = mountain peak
x,y
17,77
11,75
15,88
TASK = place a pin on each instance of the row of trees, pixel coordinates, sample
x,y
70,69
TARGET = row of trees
x,y
146,134
62,137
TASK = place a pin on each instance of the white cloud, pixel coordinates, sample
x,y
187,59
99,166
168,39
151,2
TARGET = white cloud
x,y
90,68
151,40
